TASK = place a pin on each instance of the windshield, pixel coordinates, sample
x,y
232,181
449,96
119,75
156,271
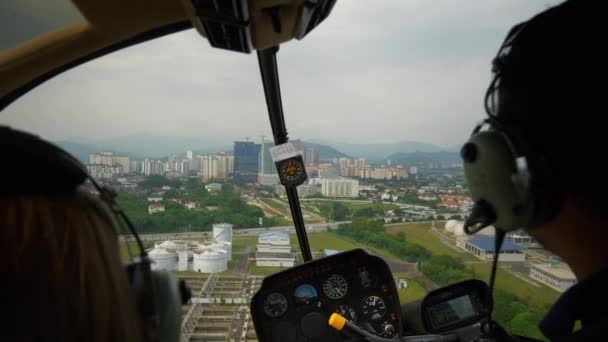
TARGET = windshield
x,y
378,100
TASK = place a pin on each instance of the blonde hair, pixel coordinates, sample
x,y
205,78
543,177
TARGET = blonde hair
x,y
60,260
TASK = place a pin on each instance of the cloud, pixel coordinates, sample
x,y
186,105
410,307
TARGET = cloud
x,y
398,70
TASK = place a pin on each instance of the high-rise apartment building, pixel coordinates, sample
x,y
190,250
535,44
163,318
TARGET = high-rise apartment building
x,y
246,159
111,159
153,167
311,156
218,166
267,174
339,187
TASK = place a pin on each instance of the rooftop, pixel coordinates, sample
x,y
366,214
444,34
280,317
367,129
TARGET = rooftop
x,y
268,255
486,243
280,234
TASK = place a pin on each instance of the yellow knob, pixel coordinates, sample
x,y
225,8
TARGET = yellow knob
x,y
337,322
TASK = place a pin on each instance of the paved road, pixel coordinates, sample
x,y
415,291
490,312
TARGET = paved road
x,y
242,267
311,228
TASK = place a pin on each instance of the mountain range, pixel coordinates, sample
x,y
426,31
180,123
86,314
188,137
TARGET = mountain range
x,y
144,145
377,152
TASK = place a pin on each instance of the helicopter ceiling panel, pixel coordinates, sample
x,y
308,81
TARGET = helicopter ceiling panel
x,y
295,305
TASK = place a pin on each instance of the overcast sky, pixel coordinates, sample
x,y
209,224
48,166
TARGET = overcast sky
x,y
400,70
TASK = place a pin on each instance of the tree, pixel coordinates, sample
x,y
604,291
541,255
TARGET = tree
x,y
440,218
157,181
364,212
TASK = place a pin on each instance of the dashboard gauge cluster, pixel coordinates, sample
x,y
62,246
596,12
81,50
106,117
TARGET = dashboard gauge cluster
x,y
295,305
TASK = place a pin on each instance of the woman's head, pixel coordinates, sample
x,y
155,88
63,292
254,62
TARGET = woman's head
x,y
62,270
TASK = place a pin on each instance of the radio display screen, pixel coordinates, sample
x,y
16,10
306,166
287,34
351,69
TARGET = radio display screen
x,y
451,311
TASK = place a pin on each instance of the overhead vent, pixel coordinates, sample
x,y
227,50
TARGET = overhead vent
x,y
313,13
225,23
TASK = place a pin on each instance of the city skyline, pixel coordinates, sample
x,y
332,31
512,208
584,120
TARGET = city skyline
x,y
419,76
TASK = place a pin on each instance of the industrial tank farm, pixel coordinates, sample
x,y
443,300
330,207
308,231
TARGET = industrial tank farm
x,y
181,255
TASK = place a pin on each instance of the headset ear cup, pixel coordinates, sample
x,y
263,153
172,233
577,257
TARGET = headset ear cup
x,y
168,305
492,175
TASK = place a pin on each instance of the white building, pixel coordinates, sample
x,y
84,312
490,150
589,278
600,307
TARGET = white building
x,y
153,167
218,166
191,204
156,208
99,171
155,198
483,248
340,187
213,187
111,159
274,242
556,277
274,249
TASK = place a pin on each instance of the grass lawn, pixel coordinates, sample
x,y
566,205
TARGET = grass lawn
x,y
540,295
321,241
125,246
234,264
414,291
421,234
283,208
264,270
240,242
190,274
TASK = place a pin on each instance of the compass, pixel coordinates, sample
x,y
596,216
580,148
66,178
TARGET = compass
x,y
292,171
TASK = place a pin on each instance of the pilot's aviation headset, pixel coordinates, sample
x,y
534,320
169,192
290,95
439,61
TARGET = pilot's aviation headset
x,y
158,294
509,180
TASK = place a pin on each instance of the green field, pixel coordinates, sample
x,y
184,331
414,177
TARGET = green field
x,y
191,274
420,233
233,264
413,292
240,242
537,295
281,207
264,270
321,241
124,248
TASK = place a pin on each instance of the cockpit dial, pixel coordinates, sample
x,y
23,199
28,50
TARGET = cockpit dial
x,y
335,287
275,305
373,308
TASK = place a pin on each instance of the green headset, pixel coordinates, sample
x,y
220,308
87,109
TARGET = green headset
x,y
158,294
510,181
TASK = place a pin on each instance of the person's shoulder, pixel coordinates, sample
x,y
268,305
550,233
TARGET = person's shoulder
x,y
598,331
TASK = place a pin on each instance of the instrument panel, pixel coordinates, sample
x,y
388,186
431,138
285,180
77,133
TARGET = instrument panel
x,y
295,305
455,306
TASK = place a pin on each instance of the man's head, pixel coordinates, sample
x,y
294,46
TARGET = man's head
x,y
546,104
551,94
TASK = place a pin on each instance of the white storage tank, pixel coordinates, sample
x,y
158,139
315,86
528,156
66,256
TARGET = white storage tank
x,y
222,232
459,229
224,245
177,245
163,260
209,260
450,225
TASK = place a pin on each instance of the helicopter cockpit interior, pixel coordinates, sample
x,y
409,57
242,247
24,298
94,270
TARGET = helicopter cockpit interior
x,y
348,296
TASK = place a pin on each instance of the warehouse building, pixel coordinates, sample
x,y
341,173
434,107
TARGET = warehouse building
x,y
274,249
483,248
555,276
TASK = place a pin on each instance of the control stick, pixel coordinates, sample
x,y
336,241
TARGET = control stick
x,y
338,322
